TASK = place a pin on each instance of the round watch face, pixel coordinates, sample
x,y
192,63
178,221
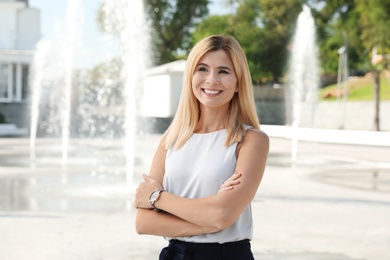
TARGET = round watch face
x,y
154,196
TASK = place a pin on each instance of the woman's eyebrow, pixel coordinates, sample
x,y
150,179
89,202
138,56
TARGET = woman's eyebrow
x,y
224,67
219,67
202,64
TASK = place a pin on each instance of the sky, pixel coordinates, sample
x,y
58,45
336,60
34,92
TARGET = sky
x,y
93,48
53,17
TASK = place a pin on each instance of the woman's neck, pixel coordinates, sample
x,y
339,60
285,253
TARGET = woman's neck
x,y
211,120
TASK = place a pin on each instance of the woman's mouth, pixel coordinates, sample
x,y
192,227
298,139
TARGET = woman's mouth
x,y
211,92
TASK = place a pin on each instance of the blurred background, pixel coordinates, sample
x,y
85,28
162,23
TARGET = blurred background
x,y
351,42
87,87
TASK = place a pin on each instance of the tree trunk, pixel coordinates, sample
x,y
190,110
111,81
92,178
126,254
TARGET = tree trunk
x,y
375,75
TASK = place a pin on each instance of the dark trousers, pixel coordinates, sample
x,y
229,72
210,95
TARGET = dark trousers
x,y
179,250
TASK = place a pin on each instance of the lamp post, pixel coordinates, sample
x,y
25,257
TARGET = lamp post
x,y
342,83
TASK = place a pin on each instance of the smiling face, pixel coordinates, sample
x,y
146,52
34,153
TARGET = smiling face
x,y
214,81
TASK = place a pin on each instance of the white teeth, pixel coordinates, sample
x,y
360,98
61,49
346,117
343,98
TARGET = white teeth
x,y
213,92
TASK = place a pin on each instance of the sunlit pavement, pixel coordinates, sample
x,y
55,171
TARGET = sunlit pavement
x,y
333,202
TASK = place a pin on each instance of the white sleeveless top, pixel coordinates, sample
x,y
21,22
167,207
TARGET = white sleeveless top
x,y
197,170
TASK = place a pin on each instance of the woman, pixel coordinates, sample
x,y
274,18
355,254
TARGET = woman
x,y
209,163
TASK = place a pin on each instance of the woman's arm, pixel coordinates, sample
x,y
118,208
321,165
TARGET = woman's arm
x,y
161,223
221,210
151,222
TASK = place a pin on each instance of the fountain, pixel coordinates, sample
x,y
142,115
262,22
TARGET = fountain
x,y
69,206
72,14
135,63
130,22
37,71
83,122
303,74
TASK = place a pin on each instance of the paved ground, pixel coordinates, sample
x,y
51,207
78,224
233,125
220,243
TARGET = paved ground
x,y
333,203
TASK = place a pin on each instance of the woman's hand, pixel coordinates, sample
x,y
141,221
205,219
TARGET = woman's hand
x,y
231,182
144,190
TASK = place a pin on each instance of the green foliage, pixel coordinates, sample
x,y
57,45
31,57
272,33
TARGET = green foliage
x,y
328,54
172,22
365,23
263,28
278,19
336,26
243,26
375,22
215,24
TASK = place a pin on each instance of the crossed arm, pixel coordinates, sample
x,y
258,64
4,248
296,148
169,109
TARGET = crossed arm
x,y
218,211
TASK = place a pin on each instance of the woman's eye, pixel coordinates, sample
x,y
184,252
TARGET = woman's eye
x,y
223,72
202,69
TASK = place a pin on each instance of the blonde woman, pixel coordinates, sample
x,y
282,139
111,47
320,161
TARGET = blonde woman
x,y
209,163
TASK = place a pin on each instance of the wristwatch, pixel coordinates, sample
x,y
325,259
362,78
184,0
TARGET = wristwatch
x,y
154,197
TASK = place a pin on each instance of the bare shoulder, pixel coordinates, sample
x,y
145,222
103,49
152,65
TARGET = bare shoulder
x,y
254,141
256,137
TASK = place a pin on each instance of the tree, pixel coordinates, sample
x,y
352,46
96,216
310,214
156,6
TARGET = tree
x,y
251,36
216,24
375,24
243,26
263,29
172,22
278,19
367,23
336,26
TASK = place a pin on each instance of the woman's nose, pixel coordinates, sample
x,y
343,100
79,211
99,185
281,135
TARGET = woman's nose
x,y
212,79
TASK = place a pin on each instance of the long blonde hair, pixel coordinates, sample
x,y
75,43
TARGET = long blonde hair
x,y
242,106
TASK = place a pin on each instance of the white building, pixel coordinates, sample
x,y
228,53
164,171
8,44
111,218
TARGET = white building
x,y
19,34
162,90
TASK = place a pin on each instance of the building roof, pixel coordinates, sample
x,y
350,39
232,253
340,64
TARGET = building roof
x,y
168,68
